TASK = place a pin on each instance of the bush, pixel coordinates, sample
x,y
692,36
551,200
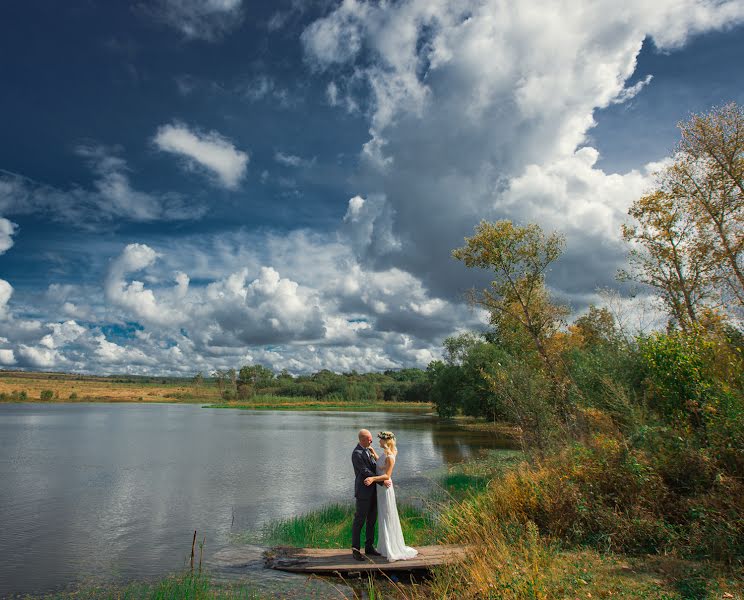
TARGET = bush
x,y
617,497
73,396
46,395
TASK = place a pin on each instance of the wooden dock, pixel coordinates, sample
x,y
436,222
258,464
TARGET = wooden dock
x,y
340,561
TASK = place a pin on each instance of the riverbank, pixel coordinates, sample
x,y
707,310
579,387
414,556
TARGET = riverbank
x,y
302,403
512,559
60,388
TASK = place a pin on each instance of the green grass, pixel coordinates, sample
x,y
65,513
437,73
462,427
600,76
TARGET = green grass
x,y
460,484
330,527
185,586
268,402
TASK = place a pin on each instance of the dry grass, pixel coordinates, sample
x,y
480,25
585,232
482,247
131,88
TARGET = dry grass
x,y
73,388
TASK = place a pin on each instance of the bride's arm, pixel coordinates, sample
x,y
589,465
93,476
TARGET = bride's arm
x,y
388,474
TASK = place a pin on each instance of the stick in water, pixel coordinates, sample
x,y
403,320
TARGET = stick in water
x,y
193,543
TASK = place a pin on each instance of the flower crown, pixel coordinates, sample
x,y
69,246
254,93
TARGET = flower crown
x,y
386,435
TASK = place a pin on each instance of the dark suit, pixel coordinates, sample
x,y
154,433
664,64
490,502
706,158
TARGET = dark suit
x,y
366,498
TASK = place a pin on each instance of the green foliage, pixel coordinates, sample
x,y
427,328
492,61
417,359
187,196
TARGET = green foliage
x,y
14,396
46,395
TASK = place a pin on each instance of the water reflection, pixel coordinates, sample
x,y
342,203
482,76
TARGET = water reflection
x,y
115,490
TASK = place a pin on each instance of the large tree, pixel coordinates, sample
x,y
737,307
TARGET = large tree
x,y
709,172
667,254
688,233
518,257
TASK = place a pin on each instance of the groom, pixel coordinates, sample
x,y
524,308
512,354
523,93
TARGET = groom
x,y
366,497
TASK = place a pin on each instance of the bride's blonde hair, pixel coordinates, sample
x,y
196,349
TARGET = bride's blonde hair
x,y
388,445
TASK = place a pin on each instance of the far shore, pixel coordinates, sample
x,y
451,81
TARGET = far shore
x,y
62,388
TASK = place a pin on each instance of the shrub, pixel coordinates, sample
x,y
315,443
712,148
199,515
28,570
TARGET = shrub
x,y
611,495
73,396
46,395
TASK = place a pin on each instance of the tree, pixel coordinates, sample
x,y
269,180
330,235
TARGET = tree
x,y
597,327
220,376
667,254
519,257
709,172
690,228
198,379
256,375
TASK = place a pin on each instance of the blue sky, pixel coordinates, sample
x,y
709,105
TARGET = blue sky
x,y
192,185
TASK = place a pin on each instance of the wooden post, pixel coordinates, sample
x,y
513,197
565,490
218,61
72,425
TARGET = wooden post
x,y
193,543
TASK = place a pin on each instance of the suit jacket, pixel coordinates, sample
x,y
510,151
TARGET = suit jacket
x,y
364,466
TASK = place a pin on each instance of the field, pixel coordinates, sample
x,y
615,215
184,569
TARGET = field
x,y
86,388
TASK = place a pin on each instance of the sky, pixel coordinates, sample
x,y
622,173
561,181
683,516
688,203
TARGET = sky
x,y
187,185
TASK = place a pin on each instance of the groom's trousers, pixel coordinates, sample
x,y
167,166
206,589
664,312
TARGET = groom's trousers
x,y
366,511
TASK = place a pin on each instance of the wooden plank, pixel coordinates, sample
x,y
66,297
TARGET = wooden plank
x,y
323,560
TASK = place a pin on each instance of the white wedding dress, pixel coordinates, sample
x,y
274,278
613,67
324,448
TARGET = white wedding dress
x,y
390,541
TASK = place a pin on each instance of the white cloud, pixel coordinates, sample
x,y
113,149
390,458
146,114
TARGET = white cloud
x,y
369,225
133,296
7,229
211,151
292,160
6,291
631,92
197,19
40,358
7,358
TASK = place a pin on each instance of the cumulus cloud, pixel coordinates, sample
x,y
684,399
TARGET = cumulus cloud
x,y
210,151
7,229
7,357
369,225
268,310
480,109
132,295
6,291
197,19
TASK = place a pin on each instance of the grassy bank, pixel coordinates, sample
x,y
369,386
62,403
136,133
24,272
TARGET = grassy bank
x,y
499,504
305,403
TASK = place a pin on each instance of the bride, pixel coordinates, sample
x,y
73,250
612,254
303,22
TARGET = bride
x,y
390,541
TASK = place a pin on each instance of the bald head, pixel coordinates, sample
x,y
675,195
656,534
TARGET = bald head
x,y
365,438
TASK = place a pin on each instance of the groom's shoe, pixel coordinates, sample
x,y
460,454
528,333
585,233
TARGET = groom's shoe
x,y
371,552
357,554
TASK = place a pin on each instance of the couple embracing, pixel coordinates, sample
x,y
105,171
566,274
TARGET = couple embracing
x,y
375,499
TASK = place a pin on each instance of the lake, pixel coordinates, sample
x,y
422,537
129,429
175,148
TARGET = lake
x,y
113,492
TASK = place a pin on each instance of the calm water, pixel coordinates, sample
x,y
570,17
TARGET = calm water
x,y
115,491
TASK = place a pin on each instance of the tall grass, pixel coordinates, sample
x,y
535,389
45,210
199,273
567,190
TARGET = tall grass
x,y
330,527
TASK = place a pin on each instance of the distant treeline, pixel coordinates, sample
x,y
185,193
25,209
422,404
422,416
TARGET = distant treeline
x,y
406,385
